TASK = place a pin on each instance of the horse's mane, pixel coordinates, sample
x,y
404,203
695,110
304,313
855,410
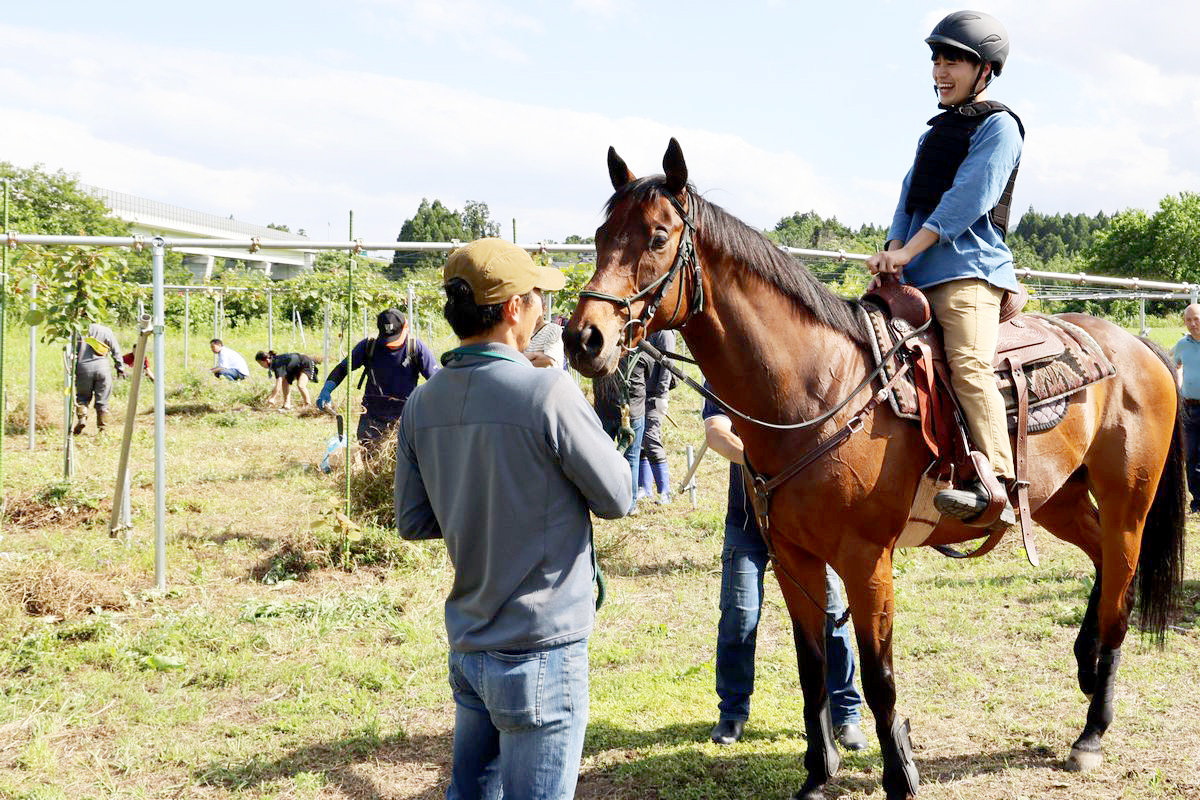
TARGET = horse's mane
x,y
719,230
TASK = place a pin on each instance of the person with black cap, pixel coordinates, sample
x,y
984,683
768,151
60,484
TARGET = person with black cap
x,y
947,238
392,366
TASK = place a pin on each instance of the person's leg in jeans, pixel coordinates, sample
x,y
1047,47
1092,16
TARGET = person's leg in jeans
x,y
634,453
743,562
539,703
1191,427
474,773
844,700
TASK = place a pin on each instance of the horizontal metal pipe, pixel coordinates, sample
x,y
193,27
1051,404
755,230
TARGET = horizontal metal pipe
x,y
266,244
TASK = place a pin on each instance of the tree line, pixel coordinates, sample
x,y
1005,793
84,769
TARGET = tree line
x,y
1162,244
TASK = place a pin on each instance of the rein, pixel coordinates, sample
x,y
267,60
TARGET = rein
x,y
661,358
685,256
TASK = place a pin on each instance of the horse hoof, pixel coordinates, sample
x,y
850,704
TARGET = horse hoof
x,y
1084,760
809,794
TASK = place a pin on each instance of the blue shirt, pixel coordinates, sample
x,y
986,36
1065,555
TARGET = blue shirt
x,y
969,245
1187,353
739,514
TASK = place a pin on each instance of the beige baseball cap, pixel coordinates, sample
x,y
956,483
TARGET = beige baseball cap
x,y
496,270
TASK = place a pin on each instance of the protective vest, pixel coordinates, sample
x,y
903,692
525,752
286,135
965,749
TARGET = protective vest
x,y
942,152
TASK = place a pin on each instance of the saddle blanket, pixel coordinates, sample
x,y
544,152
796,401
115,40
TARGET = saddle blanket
x,y
1079,361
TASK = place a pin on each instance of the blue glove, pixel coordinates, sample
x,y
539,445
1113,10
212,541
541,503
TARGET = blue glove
x,y
326,395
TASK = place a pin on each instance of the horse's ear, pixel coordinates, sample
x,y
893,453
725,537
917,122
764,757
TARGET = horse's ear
x,y
618,173
675,167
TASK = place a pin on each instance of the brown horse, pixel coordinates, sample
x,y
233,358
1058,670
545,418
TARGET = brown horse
x,y
780,347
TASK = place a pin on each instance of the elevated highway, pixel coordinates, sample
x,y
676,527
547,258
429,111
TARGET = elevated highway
x,y
153,218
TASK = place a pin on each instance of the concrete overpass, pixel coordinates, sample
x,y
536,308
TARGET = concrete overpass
x,y
152,218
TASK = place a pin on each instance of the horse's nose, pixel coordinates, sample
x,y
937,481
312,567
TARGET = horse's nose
x,y
588,340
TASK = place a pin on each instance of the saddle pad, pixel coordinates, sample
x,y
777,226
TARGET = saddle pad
x,y
1051,380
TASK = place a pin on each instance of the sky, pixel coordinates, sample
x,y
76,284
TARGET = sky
x,y
298,112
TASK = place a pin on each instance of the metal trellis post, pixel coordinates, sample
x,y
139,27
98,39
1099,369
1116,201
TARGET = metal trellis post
x,y
349,413
187,326
33,370
160,423
414,320
325,342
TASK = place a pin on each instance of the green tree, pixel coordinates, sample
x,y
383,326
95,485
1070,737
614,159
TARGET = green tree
x,y
477,222
52,203
433,222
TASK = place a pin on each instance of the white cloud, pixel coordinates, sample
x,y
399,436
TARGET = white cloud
x,y
287,141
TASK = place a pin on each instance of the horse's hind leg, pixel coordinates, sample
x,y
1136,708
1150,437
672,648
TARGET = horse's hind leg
x,y
802,581
1071,516
1116,539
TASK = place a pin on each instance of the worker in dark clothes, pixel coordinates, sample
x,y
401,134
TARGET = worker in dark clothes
x,y
391,370
287,369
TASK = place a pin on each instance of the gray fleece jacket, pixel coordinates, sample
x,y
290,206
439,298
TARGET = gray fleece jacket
x,y
504,461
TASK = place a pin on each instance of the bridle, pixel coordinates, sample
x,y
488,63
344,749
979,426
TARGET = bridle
x,y
685,261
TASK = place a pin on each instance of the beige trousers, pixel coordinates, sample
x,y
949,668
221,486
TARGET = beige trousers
x,y
969,312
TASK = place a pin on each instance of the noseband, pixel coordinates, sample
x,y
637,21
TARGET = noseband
x,y
685,257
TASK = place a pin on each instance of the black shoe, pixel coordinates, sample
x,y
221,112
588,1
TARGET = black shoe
x,y
969,502
850,737
728,731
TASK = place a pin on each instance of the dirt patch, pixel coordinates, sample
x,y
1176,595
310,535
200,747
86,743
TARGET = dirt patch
x,y
48,589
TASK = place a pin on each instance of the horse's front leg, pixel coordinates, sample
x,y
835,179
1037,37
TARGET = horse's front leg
x,y
802,581
868,581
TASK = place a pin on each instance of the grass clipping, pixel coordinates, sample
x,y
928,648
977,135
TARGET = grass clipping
x,y
45,588
372,476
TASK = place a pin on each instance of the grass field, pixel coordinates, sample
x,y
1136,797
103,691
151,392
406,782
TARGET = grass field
x,y
284,663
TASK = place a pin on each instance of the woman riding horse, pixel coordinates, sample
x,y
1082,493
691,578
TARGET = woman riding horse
x,y
947,237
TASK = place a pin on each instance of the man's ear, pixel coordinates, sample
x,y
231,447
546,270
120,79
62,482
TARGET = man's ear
x,y
512,308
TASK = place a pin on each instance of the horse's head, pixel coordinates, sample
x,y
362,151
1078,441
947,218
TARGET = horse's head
x,y
644,258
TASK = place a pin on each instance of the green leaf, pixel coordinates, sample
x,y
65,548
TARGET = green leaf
x,y
163,663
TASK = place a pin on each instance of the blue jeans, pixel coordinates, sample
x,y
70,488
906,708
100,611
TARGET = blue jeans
x,y
743,562
231,374
633,454
519,723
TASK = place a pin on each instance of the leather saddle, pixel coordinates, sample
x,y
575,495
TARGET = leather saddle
x,y
1041,362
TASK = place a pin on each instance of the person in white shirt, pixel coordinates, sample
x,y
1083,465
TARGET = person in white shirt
x,y
230,363
546,345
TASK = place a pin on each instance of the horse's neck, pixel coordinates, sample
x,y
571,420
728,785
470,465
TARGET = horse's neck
x,y
768,357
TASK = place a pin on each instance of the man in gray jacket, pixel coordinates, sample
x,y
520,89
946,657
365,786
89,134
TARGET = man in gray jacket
x,y
504,462
93,375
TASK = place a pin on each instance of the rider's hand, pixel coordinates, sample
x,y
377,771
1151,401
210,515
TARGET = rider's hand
x,y
887,264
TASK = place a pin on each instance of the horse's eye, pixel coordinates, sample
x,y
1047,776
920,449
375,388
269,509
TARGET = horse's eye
x,y
658,241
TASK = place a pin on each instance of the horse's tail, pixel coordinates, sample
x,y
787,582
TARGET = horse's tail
x,y
1160,564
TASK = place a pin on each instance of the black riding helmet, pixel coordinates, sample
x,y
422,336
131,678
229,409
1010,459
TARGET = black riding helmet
x,y
976,33
980,34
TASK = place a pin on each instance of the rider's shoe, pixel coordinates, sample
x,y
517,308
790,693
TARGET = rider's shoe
x,y
969,502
